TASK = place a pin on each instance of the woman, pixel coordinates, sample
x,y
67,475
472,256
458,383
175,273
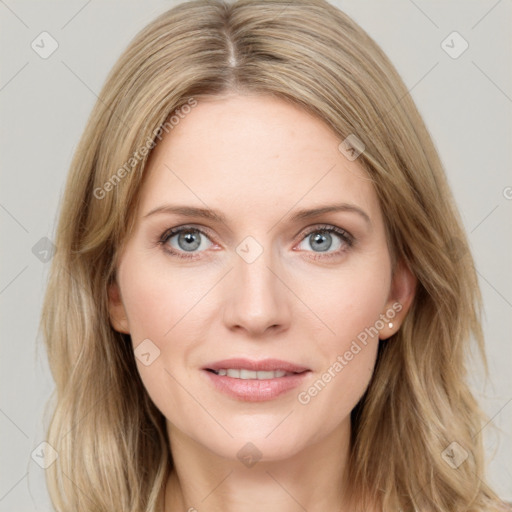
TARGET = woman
x,y
262,295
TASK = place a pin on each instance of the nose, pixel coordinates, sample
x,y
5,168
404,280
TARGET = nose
x,y
257,299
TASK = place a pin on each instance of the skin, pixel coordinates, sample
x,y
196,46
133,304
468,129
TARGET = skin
x,y
257,160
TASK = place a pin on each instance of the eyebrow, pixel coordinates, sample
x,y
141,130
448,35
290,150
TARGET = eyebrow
x,y
192,211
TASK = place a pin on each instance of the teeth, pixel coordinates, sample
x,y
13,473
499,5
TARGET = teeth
x,y
250,374
247,374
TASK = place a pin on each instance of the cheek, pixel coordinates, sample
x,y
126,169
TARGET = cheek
x,y
350,304
156,304
331,395
157,301
163,306
349,358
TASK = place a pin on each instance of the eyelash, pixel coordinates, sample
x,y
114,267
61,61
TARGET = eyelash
x,y
345,236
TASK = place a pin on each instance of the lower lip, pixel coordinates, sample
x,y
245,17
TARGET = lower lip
x,y
254,390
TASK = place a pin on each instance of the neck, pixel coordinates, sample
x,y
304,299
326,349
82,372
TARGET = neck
x,y
313,479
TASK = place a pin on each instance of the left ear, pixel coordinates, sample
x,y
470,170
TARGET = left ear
x,y
401,295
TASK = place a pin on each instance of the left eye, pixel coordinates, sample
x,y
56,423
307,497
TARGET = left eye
x,y
321,240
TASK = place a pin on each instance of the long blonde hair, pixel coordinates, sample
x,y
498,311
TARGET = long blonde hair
x,y
113,450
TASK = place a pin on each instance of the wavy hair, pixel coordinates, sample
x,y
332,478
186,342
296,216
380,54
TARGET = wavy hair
x,y
114,453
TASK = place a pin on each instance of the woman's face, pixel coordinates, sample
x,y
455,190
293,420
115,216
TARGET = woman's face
x,y
267,286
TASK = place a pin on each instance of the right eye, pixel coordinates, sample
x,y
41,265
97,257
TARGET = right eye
x,y
186,240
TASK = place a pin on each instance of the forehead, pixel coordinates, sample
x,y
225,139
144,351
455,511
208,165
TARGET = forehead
x,y
242,153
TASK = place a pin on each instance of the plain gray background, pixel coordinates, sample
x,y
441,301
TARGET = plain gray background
x,y
466,103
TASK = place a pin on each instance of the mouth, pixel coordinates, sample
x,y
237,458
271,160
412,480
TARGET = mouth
x,y
246,374
255,381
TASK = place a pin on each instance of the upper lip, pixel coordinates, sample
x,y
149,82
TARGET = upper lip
x,y
261,365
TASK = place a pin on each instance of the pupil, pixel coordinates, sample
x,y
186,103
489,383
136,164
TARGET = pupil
x,y
191,244
322,238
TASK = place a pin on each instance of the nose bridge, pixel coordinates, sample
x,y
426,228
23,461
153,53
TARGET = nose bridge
x,y
257,299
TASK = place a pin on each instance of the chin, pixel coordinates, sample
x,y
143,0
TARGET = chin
x,y
251,445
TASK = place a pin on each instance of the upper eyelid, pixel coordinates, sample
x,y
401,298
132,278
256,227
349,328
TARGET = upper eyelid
x,y
168,233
